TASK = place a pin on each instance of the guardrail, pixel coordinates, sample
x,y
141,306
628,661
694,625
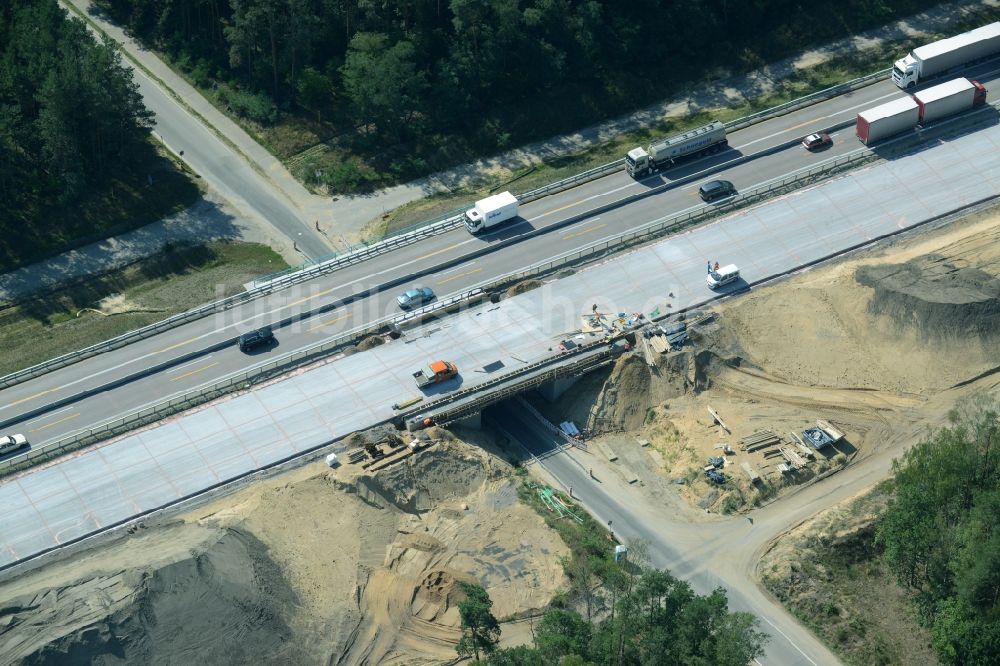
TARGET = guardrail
x,y
276,281
281,365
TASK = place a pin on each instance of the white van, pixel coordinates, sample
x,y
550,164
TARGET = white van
x,y
723,276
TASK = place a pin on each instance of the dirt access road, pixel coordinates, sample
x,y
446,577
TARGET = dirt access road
x,y
894,336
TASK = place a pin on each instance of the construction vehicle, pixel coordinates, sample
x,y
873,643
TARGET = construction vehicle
x,y
710,138
944,55
435,373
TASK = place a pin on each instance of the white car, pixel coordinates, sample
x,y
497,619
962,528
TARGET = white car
x,y
12,443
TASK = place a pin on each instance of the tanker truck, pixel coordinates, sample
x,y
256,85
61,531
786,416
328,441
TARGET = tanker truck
x,y
939,57
708,139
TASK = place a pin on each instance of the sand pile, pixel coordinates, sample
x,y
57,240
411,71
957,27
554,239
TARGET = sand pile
x,y
935,298
314,566
108,611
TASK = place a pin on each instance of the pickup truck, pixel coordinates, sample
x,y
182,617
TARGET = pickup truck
x,y
436,372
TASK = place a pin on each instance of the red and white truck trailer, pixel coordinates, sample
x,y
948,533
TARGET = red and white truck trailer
x,y
887,120
923,107
949,98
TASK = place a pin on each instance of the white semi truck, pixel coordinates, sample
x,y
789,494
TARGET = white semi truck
x,y
933,59
490,212
709,138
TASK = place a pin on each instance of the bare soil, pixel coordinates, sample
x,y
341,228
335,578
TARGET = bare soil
x,y
313,566
828,572
868,344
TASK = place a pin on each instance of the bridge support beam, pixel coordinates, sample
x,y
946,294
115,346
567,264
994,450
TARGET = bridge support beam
x,y
474,421
552,390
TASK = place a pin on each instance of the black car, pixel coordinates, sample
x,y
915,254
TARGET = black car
x,y
716,189
262,336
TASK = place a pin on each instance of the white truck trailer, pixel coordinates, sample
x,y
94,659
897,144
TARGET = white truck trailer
x,y
933,59
490,212
949,98
887,119
710,138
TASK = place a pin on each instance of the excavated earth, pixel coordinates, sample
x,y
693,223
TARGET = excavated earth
x,y
313,566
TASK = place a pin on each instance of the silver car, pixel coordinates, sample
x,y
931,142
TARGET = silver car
x,y
414,297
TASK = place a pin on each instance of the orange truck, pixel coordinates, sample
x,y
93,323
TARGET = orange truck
x,y
437,371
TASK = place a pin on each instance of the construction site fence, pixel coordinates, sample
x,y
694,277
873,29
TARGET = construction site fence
x,y
270,283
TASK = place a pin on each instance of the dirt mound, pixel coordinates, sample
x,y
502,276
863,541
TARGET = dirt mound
x,y
524,286
370,342
443,472
313,566
934,297
620,400
228,596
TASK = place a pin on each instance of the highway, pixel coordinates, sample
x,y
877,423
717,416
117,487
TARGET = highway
x,y
436,262
87,491
83,493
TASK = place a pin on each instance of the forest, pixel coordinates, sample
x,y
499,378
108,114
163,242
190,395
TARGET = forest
x,y
941,533
415,85
639,616
75,154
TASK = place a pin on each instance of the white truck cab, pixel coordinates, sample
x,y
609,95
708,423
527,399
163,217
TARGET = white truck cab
x,y
723,276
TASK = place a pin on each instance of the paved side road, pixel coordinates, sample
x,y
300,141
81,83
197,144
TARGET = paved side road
x,y
790,643
238,168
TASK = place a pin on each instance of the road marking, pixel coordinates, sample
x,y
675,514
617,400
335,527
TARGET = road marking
x,y
49,425
790,642
457,268
179,344
188,365
431,254
51,414
808,122
455,277
194,372
309,298
32,397
585,231
858,106
328,321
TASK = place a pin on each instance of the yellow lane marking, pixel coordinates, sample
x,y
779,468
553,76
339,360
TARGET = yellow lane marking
x,y
808,122
62,420
569,205
585,231
309,298
179,344
455,277
32,397
444,249
194,372
329,321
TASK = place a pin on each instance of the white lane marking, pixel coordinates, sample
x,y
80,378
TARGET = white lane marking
x,y
790,641
181,367
457,268
787,129
49,414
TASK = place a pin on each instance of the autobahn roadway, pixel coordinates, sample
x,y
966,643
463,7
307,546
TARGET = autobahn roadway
x,y
436,262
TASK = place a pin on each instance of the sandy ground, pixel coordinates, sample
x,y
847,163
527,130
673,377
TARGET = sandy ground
x,y
872,344
313,566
